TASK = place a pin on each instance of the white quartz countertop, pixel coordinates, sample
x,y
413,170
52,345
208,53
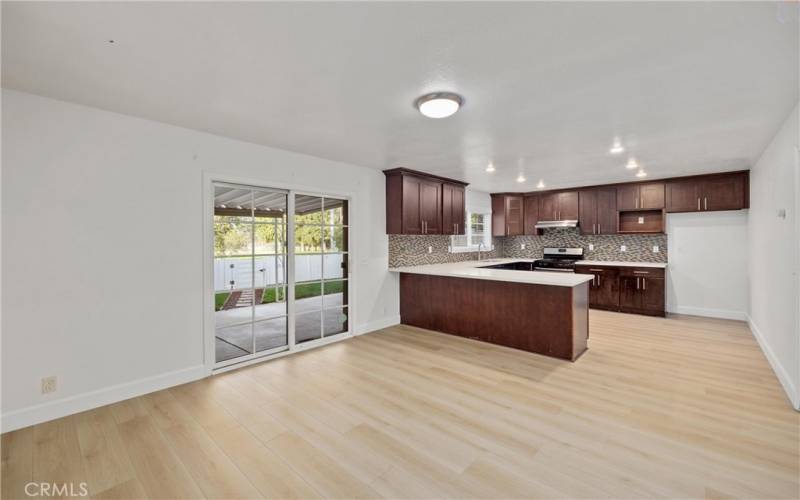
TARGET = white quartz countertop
x,y
614,263
472,269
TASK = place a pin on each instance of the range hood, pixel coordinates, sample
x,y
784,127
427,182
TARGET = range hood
x,y
549,224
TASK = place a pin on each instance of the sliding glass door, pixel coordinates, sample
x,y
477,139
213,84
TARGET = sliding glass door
x,y
260,280
320,269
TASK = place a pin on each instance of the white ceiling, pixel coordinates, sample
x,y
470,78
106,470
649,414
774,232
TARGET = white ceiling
x,y
689,87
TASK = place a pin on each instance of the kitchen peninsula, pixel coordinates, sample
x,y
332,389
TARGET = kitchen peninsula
x,y
541,312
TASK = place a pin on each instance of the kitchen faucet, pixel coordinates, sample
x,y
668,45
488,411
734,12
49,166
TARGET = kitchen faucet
x,y
480,245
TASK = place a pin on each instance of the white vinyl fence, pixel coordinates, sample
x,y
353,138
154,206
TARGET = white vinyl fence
x,y
236,272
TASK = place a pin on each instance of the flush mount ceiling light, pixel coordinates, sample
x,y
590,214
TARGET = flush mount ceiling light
x,y
439,104
632,164
490,167
521,178
641,173
616,148
540,185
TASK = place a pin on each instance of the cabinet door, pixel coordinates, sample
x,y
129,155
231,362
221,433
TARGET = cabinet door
x,y
412,222
459,210
606,214
723,192
548,205
430,206
683,196
448,221
651,196
628,197
652,294
629,296
531,206
587,212
514,216
568,205
607,289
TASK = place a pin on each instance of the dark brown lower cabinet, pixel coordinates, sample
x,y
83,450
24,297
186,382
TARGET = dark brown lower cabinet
x,y
625,289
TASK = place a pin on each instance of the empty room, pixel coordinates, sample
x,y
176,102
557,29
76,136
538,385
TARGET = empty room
x,y
401,250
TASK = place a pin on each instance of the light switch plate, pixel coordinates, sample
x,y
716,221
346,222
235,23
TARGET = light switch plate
x,y
656,249
48,385
623,248
591,247
641,220
522,246
430,249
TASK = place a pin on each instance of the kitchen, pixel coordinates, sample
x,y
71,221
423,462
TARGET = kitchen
x,y
612,277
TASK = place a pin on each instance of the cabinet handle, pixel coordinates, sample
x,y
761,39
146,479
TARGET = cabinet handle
x,y
705,202
598,280
598,228
641,272
596,270
637,283
698,203
644,283
425,226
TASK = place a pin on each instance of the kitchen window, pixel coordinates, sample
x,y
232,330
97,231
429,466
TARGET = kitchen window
x,y
478,230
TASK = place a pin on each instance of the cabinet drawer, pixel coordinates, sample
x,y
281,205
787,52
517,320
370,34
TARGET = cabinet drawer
x,y
647,272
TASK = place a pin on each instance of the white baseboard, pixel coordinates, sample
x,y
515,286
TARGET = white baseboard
x,y
709,313
377,324
777,367
74,404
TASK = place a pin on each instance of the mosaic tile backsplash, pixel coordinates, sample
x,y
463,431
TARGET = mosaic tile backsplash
x,y
639,247
413,250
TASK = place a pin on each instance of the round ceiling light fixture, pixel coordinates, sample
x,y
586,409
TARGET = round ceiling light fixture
x,y
439,104
521,178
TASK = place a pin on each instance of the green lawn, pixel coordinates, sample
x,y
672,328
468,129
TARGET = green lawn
x,y
304,290
301,291
219,299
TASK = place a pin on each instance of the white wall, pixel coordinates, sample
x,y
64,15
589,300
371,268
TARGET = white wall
x,y
707,272
96,208
774,255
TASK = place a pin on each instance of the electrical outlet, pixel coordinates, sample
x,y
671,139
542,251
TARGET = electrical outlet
x,y
641,220
623,248
522,246
48,385
430,249
656,249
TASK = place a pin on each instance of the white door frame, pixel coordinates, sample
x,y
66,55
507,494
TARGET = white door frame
x,y
209,353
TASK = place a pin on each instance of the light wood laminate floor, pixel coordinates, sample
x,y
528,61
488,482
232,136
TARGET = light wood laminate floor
x,y
680,407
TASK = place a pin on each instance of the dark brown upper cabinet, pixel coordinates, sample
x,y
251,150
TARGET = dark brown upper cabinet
x,y
597,212
708,193
415,203
507,215
640,196
562,205
453,210
531,208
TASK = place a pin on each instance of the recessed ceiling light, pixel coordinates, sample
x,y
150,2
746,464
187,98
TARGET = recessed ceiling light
x,y
641,173
521,178
616,148
632,164
540,185
439,104
490,167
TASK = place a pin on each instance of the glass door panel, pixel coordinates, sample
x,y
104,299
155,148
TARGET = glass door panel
x,y
308,267
335,267
270,325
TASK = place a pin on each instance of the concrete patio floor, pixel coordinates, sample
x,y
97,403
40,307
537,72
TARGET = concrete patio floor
x,y
233,330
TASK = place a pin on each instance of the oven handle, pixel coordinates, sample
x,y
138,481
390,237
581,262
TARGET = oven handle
x,y
554,269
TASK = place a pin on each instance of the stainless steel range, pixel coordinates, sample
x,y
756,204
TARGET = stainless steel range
x,y
558,259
